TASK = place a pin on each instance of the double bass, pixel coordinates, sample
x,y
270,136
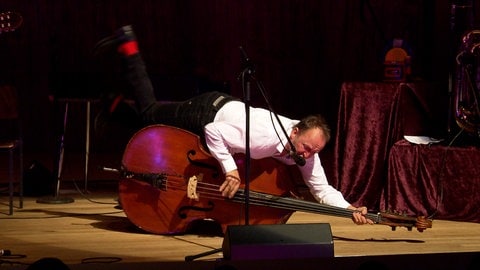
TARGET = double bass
x,y
169,181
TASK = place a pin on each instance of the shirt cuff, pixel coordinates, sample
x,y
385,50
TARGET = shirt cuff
x,y
228,165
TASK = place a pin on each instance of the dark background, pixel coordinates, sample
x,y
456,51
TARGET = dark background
x,y
302,50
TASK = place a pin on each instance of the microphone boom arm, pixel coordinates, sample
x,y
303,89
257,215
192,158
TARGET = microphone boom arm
x,y
249,69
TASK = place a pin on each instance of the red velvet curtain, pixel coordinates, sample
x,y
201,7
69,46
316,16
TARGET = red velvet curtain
x,y
303,50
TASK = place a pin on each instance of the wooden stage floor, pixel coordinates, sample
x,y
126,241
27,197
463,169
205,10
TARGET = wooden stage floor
x,y
91,233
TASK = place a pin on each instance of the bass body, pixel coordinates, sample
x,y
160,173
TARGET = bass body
x,y
160,165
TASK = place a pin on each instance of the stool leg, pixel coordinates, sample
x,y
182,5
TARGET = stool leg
x,y
87,145
20,168
10,177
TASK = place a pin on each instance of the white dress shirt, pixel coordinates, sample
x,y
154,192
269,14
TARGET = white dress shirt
x,y
225,136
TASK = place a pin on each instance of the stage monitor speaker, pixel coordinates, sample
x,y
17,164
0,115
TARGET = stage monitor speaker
x,y
278,241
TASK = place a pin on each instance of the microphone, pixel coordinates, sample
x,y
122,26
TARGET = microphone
x,y
299,160
5,252
247,63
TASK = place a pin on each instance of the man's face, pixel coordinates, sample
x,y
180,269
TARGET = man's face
x,y
309,142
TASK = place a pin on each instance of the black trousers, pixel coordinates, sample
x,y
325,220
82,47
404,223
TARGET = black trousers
x,y
192,114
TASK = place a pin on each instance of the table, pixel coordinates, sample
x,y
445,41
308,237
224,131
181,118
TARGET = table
x,y
434,179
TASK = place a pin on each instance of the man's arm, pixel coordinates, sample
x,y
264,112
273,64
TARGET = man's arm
x,y
218,136
325,193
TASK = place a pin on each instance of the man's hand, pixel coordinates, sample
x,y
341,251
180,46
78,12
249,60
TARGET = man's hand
x,y
231,184
358,215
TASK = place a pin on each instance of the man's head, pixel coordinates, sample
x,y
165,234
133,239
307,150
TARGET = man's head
x,y
310,135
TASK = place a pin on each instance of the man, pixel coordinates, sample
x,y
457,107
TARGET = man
x,y
220,120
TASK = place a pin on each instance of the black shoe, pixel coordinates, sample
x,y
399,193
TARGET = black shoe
x,y
122,35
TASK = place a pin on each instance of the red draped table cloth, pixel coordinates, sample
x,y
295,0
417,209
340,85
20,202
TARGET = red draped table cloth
x,y
434,179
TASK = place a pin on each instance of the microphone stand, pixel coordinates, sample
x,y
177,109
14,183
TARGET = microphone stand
x,y
56,199
246,76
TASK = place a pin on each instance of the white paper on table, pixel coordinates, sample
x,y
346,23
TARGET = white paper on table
x,y
421,139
